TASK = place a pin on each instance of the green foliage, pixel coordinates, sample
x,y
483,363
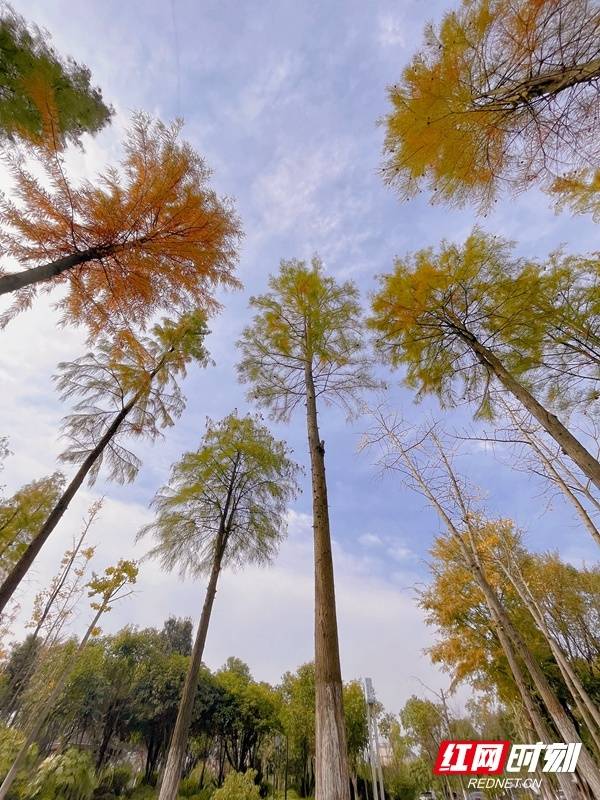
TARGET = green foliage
x,y
144,792
11,741
307,318
239,786
239,482
65,776
115,780
141,371
434,310
22,515
44,96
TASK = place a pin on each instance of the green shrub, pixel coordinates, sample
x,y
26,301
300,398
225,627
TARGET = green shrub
x,y
65,776
188,787
238,786
11,741
144,792
115,780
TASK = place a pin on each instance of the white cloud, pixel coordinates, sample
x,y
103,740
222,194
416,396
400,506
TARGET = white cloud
x,y
391,31
370,540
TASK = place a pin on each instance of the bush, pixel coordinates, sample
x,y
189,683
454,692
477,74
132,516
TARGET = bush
x,y
65,776
188,787
11,741
144,792
115,780
239,786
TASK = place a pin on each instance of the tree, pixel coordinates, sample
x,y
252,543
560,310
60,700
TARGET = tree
x,y
177,635
239,786
225,504
104,590
147,237
125,391
432,475
306,344
298,717
357,736
21,516
477,314
500,96
44,97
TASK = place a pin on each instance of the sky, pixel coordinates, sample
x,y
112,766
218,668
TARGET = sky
x,y
282,99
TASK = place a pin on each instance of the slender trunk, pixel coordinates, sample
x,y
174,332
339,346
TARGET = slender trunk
x,y
19,571
177,747
503,631
586,706
42,715
586,766
511,638
332,778
18,280
549,422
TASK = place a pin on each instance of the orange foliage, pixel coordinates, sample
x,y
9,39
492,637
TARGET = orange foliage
x,y
159,236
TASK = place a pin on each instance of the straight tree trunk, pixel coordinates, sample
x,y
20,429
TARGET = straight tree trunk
x,y
44,272
332,776
177,747
512,643
586,706
586,766
549,422
42,715
19,570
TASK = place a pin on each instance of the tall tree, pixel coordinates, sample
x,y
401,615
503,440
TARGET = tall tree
x,y
501,94
104,590
151,235
225,504
479,315
125,391
43,95
305,344
432,475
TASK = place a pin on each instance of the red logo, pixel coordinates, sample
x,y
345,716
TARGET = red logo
x,y
471,758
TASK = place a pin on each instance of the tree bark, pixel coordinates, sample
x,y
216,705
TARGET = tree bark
x,y
549,422
547,85
176,755
332,776
19,571
44,272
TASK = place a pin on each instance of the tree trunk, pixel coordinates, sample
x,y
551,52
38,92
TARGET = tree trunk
x,y
332,778
586,706
19,571
177,747
549,422
18,280
42,715
586,766
547,85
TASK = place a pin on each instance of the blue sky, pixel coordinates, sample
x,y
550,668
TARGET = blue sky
x,y
282,100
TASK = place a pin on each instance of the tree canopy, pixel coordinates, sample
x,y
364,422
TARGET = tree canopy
x,y
44,97
147,236
500,95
